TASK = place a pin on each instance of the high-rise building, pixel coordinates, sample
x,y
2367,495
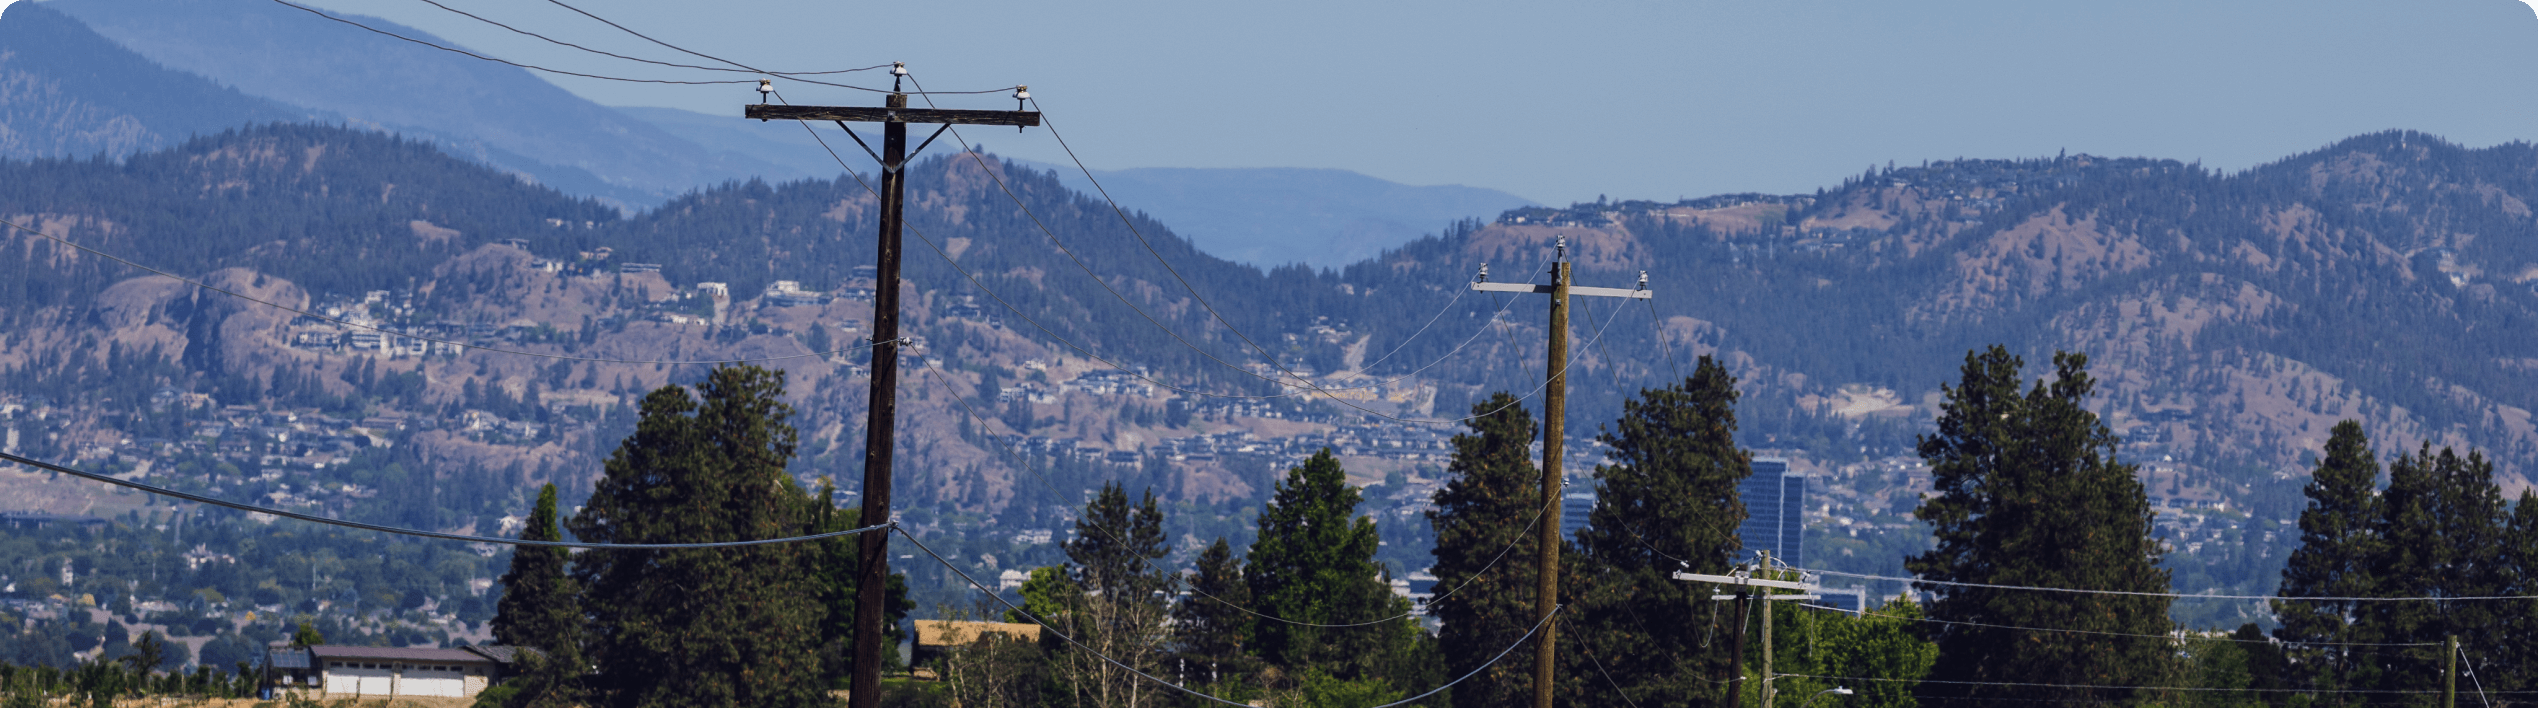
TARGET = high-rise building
x,y
1775,512
1574,506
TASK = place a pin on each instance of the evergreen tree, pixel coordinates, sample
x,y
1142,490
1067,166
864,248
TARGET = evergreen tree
x,y
837,561
703,627
541,609
1315,563
1210,625
2517,660
1485,553
2440,535
538,606
1667,503
2336,545
2028,492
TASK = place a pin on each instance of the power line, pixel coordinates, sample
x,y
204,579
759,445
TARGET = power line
x,y
531,67
154,489
357,325
1608,676
796,76
1025,465
1141,236
1659,328
2120,688
2181,596
2130,634
1176,274
1106,286
1000,599
999,298
1035,323
552,40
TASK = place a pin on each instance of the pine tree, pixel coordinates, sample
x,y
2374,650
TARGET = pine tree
x,y
2440,532
703,627
2336,544
1485,553
2028,493
1210,625
541,609
1667,503
538,606
1315,563
2518,660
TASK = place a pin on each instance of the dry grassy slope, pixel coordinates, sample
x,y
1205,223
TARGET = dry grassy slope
x,y
2143,296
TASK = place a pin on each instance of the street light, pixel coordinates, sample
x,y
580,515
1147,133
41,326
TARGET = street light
x,y
1836,690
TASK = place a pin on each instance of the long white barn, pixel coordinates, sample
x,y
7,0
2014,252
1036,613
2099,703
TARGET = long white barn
x,y
331,671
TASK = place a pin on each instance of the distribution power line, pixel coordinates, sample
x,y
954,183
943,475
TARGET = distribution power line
x,y
400,531
1015,458
1070,344
1062,635
559,42
2172,595
2139,635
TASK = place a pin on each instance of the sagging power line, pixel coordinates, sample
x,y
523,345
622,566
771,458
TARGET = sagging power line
x,y
400,531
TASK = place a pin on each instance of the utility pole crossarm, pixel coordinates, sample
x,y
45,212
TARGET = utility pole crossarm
x,y
1734,580
1573,290
878,114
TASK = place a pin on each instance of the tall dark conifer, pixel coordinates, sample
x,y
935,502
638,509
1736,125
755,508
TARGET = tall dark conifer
x,y
1315,563
2333,560
541,609
705,627
2518,660
539,606
1210,626
1668,499
2028,492
835,564
2440,535
1485,553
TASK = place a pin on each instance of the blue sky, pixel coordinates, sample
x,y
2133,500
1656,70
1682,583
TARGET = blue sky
x,y
1566,102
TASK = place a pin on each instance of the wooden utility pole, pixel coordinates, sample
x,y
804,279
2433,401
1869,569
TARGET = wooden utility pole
x,y
1555,404
2450,678
1746,597
874,548
1766,639
1736,683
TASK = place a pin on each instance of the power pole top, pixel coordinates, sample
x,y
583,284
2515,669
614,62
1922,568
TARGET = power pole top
x,y
883,114
872,577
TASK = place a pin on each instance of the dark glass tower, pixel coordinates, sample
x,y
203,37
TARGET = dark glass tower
x,y
1775,512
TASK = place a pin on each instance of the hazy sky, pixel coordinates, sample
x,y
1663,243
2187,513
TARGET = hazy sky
x,y
1564,102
